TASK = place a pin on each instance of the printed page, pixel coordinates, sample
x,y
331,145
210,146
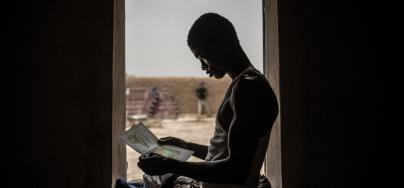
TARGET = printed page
x,y
173,152
144,141
140,139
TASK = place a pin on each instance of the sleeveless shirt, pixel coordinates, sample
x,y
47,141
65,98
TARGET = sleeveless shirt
x,y
218,148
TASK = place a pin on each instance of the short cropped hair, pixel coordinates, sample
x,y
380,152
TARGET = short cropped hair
x,y
212,28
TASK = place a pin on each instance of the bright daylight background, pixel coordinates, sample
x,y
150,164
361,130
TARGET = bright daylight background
x,y
156,33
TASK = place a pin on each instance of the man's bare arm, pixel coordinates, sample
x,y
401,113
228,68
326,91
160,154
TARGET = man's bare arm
x,y
200,151
244,135
232,170
255,109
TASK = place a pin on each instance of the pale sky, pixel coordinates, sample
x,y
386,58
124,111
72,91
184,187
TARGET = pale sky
x,y
156,34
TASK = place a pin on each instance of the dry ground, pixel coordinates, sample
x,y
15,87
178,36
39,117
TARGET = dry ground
x,y
186,127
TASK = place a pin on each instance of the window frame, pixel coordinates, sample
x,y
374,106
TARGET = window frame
x,y
271,70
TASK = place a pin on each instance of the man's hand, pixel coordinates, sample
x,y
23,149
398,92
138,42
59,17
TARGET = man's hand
x,y
155,164
173,141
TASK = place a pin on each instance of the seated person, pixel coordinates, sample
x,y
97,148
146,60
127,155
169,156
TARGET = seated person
x,y
244,120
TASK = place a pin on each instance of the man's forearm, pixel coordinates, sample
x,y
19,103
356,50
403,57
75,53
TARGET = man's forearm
x,y
200,151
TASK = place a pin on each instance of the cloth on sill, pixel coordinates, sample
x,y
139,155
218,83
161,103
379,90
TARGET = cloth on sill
x,y
121,183
164,181
185,182
173,181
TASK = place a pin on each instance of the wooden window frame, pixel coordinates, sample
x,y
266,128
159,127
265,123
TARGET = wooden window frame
x,y
273,168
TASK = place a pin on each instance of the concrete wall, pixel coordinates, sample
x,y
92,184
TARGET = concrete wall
x,y
273,161
183,89
61,56
325,94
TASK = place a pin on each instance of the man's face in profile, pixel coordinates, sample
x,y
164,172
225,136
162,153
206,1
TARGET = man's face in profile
x,y
211,61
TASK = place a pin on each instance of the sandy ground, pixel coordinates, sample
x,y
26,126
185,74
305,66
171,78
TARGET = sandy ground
x,y
186,127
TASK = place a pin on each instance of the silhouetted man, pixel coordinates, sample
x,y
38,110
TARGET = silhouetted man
x,y
244,119
201,93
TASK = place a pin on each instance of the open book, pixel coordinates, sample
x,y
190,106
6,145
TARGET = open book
x,y
144,141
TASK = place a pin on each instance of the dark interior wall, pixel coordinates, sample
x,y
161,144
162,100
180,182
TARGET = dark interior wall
x,y
60,130
324,84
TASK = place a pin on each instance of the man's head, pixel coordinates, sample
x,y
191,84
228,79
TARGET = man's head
x,y
212,29
213,39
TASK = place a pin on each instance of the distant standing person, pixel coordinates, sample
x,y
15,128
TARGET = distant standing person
x,y
201,93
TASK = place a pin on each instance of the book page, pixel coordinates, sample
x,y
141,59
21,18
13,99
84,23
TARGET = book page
x,y
140,139
173,152
144,141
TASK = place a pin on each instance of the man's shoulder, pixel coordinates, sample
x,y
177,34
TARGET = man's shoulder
x,y
252,75
247,87
253,81
253,87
